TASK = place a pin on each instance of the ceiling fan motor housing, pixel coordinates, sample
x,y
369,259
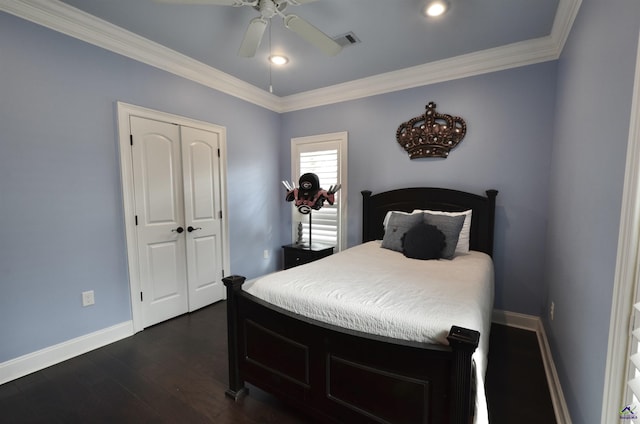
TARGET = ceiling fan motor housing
x,y
269,8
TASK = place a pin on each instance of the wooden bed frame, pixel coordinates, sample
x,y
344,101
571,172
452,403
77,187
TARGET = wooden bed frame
x,y
338,375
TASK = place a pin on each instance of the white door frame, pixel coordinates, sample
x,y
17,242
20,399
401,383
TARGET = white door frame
x,y
128,196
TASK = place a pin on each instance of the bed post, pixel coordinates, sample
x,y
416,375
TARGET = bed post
x,y
366,205
491,195
463,342
236,384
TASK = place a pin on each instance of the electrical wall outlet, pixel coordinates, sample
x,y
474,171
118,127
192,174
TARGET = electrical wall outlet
x,y
266,253
552,310
88,298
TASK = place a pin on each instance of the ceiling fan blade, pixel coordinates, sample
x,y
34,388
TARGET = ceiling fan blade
x,y
212,2
312,34
252,37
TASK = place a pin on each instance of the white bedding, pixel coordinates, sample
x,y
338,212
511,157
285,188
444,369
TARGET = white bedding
x,y
380,291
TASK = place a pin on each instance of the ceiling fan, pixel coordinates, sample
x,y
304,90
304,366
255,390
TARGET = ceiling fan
x,y
268,9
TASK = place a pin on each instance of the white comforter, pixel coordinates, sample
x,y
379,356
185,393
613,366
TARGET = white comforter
x,y
380,291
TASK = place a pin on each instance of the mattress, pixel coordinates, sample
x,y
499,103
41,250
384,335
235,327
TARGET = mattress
x,y
379,291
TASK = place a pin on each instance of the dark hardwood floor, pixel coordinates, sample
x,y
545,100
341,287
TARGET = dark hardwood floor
x,y
176,372
516,385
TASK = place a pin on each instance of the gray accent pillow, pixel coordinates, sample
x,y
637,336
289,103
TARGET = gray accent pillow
x,y
450,227
398,225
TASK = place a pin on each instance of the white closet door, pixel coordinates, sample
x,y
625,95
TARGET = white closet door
x,y
157,172
203,209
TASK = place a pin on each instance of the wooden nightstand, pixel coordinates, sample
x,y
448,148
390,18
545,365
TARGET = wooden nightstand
x,y
296,254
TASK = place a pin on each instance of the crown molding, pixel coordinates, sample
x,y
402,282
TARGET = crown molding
x,y
68,20
565,15
492,60
75,23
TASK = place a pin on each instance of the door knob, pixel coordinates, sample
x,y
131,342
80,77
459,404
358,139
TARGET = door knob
x,y
190,228
178,230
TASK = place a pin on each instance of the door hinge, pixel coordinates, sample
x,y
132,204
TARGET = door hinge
x,y
131,139
220,214
218,152
223,273
141,297
136,219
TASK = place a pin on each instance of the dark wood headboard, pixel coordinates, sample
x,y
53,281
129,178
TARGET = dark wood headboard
x,y
376,206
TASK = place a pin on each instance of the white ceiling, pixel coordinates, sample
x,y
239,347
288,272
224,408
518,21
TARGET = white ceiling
x,y
399,48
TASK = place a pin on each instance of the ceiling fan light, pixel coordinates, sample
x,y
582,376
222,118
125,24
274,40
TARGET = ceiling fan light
x,y
278,60
436,8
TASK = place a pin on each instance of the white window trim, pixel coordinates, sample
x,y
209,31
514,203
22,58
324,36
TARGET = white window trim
x,y
627,277
342,139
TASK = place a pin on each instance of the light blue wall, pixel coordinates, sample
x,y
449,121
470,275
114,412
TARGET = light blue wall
x,y
509,118
595,80
61,217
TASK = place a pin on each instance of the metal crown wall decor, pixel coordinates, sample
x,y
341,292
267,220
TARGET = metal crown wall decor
x,y
432,134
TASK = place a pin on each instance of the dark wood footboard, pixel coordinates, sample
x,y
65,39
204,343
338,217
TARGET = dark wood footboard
x,y
342,376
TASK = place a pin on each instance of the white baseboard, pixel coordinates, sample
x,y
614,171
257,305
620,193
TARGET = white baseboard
x,y
533,323
36,361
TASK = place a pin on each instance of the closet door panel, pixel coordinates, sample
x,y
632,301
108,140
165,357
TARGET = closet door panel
x,y
159,198
202,206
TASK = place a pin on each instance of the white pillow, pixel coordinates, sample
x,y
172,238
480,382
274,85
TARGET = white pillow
x,y
463,239
388,215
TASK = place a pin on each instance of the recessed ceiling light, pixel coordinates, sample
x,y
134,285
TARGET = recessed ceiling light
x,y
278,60
436,8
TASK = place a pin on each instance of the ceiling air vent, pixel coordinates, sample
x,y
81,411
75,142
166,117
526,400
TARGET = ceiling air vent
x,y
347,39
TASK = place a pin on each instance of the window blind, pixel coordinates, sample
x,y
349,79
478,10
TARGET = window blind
x,y
634,382
324,222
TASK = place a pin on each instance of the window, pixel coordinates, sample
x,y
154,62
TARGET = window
x,y
634,365
622,377
326,156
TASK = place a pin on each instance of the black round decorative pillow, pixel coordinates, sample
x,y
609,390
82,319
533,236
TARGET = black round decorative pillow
x,y
423,241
